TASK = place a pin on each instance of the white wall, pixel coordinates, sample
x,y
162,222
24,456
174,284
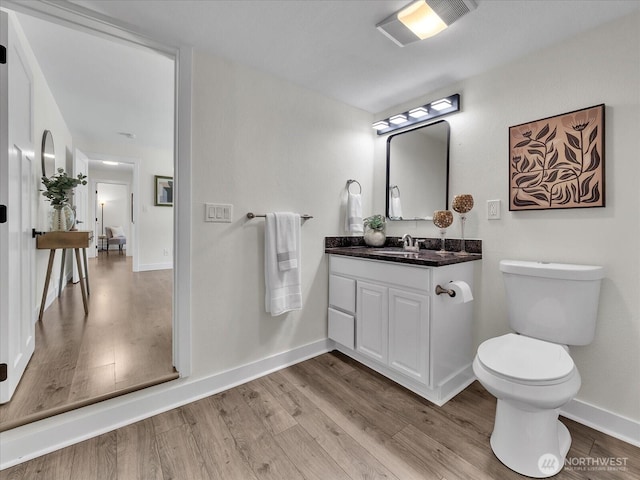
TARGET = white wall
x,y
264,145
601,66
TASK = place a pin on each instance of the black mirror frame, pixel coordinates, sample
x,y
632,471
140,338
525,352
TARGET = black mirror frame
x,y
388,182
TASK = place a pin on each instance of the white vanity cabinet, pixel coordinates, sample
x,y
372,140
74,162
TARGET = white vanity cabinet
x,y
387,316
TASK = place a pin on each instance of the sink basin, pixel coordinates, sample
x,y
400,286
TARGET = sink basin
x,y
395,252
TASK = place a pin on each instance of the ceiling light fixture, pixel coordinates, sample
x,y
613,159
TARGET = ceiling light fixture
x,y
423,19
109,162
437,108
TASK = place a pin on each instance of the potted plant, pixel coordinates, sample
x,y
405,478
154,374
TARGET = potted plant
x,y
58,190
375,230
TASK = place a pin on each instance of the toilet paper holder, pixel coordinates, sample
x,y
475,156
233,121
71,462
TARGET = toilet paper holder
x,y
449,292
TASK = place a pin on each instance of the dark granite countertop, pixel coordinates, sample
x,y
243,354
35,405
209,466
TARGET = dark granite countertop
x,y
391,252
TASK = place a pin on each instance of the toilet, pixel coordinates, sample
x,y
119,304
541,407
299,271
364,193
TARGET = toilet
x,y
530,372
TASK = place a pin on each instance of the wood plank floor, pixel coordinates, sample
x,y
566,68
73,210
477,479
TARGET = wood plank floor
x,y
328,418
123,344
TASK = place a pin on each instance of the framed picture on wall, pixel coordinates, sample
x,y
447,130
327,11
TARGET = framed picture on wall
x,y
558,162
163,191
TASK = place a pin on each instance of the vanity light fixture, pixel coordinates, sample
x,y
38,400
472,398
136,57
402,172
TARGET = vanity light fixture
x,y
440,105
398,119
423,19
437,108
418,112
381,125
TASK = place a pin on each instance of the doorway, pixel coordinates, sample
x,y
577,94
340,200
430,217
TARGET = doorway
x,y
172,290
112,215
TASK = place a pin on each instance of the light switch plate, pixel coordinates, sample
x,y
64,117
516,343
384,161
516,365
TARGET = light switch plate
x,y
218,212
493,209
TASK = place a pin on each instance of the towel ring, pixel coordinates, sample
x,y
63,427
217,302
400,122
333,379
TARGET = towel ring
x,y
349,182
396,187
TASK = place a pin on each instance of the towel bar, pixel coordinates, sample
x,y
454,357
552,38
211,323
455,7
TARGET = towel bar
x,y
349,182
251,215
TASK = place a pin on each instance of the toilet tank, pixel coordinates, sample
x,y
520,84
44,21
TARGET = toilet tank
x,y
552,301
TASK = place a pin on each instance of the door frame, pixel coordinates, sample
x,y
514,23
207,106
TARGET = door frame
x,y
77,17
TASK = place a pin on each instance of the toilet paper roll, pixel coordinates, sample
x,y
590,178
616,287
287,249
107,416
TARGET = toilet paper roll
x,y
462,290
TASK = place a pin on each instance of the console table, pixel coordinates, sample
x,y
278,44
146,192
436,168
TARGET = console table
x,y
77,240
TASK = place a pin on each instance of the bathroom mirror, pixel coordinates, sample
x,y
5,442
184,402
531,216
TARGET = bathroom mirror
x,y
418,172
48,155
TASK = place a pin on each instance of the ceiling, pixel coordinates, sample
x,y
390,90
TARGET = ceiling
x,y
328,46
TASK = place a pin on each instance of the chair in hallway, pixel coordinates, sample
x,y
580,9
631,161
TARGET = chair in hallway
x,y
115,236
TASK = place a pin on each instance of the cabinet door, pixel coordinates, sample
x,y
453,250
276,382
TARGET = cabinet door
x,y
409,334
372,325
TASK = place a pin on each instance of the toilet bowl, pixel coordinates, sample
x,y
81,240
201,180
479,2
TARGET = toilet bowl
x,y
531,373
531,380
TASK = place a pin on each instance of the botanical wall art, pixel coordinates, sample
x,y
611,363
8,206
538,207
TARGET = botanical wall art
x,y
558,162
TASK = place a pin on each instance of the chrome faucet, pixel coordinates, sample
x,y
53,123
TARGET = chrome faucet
x,y
408,244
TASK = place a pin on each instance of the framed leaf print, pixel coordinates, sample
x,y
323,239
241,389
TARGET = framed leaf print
x,y
558,162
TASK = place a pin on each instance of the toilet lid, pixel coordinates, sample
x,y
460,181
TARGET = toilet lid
x,y
525,358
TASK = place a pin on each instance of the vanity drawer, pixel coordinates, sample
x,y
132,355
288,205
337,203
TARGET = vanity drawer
x,y
342,293
393,274
342,328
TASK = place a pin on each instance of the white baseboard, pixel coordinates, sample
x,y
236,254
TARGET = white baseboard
x,y
39,438
155,266
604,421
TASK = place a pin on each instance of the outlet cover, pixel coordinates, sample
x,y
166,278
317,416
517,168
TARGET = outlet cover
x,y
493,209
218,212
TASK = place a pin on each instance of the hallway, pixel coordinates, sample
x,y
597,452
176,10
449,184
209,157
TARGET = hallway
x,y
124,344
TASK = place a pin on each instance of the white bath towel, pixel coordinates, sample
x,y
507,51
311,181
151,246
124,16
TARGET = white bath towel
x,y
353,218
395,207
283,287
287,232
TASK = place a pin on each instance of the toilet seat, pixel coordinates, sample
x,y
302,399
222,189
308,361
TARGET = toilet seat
x,y
526,360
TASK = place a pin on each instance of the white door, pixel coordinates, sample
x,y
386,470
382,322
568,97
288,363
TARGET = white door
x,y
17,192
372,324
80,200
409,334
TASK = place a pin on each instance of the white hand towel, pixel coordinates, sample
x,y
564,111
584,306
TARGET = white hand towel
x,y
395,207
287,231
353,218
283,288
